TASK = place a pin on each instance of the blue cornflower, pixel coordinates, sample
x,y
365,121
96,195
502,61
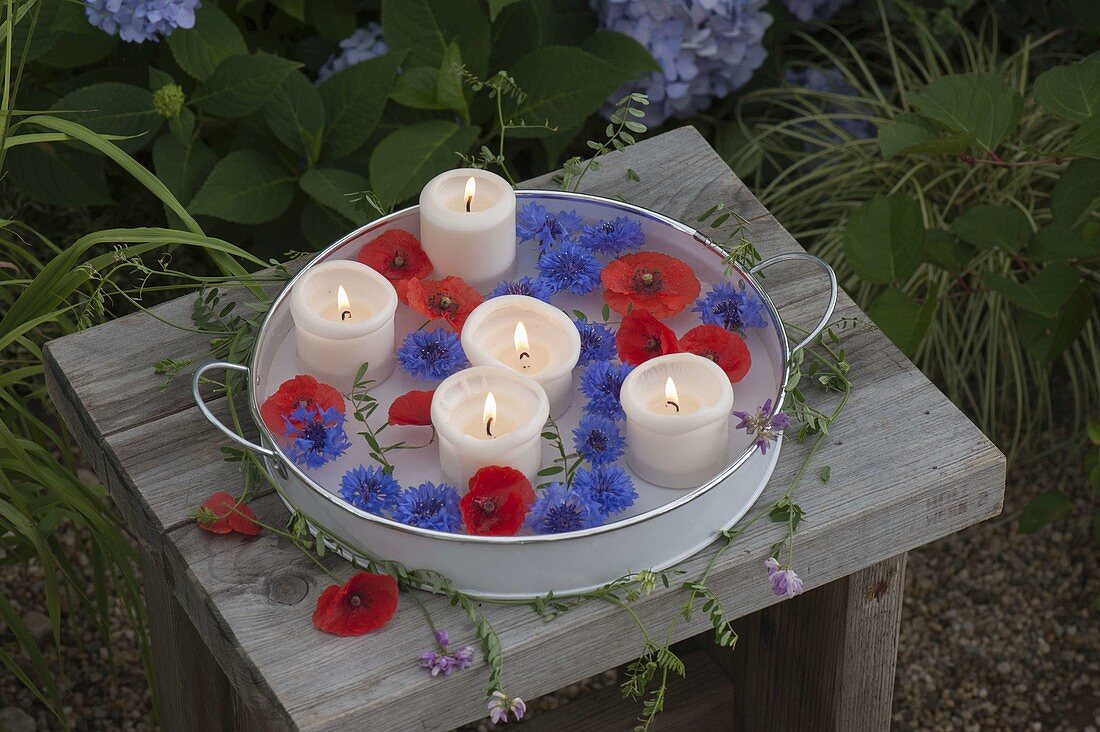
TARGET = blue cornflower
x,y
370,489
569,266
362,45
613,238
608,486
731,308
533,223
137,21
597,439
601,382
316,435
559,509
597,342
431,354
430,506
537,288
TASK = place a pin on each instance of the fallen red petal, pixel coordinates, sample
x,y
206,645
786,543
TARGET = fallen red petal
x,y
364,603
641,337
497,502
412,408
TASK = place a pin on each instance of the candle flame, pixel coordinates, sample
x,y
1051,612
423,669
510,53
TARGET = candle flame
x,y
520,339
671,397
490,413
471,187
343,305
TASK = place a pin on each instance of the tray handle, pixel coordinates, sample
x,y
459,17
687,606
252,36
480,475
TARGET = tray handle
x,y
227,366
805,256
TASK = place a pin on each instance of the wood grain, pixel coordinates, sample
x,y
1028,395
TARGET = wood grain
x,y
907,468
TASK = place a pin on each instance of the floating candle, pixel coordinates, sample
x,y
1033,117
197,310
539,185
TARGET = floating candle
x,y
677,420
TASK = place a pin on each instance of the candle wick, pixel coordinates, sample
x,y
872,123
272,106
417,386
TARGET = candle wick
x,y
345,315
488,427
674,404
469,201
524,355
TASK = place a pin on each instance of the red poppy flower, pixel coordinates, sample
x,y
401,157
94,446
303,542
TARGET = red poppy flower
x,y
726,349
302,390
497,502
396,255
413,407
656,282
449,298
364,603
641,337
221,514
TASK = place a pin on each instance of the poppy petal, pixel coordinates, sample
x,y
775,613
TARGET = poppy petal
x,y
412,408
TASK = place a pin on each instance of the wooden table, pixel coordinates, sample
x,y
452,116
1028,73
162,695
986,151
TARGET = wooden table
x,y
230,618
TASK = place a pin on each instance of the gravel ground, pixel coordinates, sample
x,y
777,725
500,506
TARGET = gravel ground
x,y
996,633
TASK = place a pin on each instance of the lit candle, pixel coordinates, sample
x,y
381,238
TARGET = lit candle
x,y
677,420
488,415
343,317
468,225
530,337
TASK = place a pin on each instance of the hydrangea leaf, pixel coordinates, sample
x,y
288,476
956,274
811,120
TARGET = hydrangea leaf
x,y
902,318
245,187
944,250
418,88
883,239
495,6
115,109
1077,193
1047,338
330,186
333,19
409,157
354,100
980,104
1056,242
57,174
621,52
242,84
538,23
321,225
450,87
183,166
296,115
1043,294
424,29
986,226
1043,509
214,38
1071,91
912,134
1086,140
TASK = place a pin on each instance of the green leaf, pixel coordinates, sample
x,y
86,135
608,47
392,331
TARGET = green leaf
x,y
1077,193
980,104
408,158
989,227
245,187
495,6
1043,294
1046,338
321,225
883,239
622,53
73,50
296,115
354,99
294,8
1043,509
1093,431
424,28
333,19
1086,140
114,109
242,84
1072,91
418,88
330,186
1056,242
912,134
450,89
902,318
183,167
201,49
944,250
58,174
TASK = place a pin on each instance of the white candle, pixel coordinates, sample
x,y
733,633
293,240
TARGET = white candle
x,y
468,225
677,420
488,415
530,337
343,317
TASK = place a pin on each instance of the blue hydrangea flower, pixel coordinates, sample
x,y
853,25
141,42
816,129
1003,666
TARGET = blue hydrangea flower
x,y
601,382
706,49
431,354
597,439
559,509
830,81
608,486
370,489
733,308
430,506
138,21
533,223
806,10
537,288
569,267
362,45
613,238
316,435
597,342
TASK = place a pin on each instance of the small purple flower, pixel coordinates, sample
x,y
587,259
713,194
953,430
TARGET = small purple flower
x,y
444,661
137,21
316,436
613,238
597,342
569,266
370,489
597,439
432,355
362,45
430,506
785,582
537,288
732,308
764,427
608,486
601,382
559,509
500,704
533,223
